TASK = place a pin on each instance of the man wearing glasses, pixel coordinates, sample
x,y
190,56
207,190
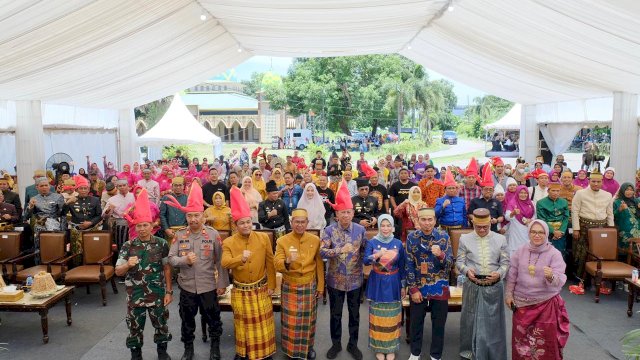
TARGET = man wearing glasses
x,y
484,259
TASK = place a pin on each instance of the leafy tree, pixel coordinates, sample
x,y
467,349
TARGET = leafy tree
x,y
271,85
152,112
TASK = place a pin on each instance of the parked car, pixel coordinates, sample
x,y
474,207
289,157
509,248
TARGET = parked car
x,y
449,137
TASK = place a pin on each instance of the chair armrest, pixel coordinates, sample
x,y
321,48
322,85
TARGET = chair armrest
x,y
22,256
104,259
64,260
589,253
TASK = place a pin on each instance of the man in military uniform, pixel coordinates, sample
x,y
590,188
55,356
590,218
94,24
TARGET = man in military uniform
x,y
144,261
365,207
172,219
554,210
85,214
197,252
272,213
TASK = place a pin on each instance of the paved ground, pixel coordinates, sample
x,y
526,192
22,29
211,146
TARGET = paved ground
x,y
99,332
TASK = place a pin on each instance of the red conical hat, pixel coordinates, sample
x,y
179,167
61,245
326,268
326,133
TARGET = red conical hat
x,y
343,198
80,181
367,170
487,176
239,206
472,168
195,202
448,179
255,152
142,211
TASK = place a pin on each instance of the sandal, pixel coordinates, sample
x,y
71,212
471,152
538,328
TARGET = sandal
x,y
577,289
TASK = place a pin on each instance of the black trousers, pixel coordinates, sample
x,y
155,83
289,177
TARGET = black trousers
x,y
439,310
210,311
336,300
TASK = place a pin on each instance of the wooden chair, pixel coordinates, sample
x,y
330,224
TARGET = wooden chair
x,y
96,265
454,237
602,258
10,255
52,255
272,237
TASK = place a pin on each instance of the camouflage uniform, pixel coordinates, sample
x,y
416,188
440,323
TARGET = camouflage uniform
x,y
145,285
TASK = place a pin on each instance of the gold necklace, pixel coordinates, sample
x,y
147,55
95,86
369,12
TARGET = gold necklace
x,y
532,267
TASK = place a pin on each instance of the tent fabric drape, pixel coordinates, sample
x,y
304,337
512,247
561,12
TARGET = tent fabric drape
x,y
559,136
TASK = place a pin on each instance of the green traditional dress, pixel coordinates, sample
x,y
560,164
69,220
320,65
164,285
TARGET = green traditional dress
x,y
627,220
556,214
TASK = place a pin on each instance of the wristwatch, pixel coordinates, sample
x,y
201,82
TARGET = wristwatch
x,y
170,292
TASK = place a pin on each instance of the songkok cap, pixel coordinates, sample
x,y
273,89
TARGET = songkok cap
x,y
360,182
146,170
179,180
426,212
555,185
122,182
595,174
481,216
271,186
299,213
41,179
110,187
39,173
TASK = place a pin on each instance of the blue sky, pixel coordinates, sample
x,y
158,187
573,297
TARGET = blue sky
x,y
280,65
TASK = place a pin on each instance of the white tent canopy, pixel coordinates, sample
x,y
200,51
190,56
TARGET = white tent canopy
x,y
178,127
510,120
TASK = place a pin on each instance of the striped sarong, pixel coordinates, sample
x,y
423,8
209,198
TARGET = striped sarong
x,y
253,323
384,326
298,318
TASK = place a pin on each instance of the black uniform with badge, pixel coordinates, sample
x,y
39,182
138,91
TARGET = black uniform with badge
x,y
364,208
274,222
494,206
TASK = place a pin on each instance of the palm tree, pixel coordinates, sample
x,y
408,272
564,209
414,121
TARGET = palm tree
x,y
402,90
430,100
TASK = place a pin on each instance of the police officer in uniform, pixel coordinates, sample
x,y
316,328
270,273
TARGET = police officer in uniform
x,y
144,263
197,251
365,207
272,213
172,219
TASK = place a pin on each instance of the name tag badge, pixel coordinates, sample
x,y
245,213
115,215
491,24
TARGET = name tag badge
x,y
424,268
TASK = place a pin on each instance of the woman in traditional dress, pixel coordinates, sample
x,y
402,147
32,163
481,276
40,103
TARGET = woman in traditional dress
x,y
581,180
609,184
520,212
385,289
259,184
626,215
535,279
407,211
510,191
252,196
312,202
218,216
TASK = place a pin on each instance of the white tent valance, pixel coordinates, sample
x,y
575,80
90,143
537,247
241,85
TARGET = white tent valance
x,y
178,126
510,120
56,116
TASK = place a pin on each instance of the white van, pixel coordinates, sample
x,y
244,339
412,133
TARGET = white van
x,y
298,138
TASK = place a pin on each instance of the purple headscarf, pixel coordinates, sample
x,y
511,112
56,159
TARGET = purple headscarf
x,y
527,210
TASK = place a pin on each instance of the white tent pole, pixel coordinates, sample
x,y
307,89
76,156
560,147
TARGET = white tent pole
x,y
624,136
29,142
127,144
528,133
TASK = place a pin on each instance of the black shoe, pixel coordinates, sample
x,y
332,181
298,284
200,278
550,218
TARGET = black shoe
x,y
333,352
214,353
162,352
136,354
188,352
354,351
311,355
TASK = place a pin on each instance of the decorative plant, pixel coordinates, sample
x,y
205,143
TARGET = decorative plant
x,y
631,344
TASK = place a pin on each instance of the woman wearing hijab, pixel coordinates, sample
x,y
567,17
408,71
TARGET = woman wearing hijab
x,y
499,194
520,212
218,216
259,184
609,184
276,176
626,215
312,202
581,180
252,196
384,289
510,191
407,211
535,279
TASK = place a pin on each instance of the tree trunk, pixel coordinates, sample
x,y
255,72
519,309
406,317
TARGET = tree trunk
x,y
400,113
374,130
428,134
344,126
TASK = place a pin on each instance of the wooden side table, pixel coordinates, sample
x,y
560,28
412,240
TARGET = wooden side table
x,y
634,288
41,306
